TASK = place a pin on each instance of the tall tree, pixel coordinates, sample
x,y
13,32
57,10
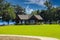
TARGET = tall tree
x,y
49,6
6,16
19,10
1,6
8,12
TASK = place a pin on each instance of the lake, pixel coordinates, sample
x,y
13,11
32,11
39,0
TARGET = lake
x,y
5,23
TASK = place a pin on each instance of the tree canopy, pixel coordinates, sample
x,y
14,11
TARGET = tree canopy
x,y
9,11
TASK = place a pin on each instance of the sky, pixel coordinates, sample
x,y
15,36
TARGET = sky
x,y
31,5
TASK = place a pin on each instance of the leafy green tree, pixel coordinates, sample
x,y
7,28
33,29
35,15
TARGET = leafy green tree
x,y
6,16
11,12
19,10
1,1
48,4
1,6
7,12
48,13
36,12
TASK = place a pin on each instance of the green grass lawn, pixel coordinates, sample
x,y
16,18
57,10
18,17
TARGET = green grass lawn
x,y
32,30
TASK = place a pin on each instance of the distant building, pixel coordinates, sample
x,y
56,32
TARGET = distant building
x,y
29,19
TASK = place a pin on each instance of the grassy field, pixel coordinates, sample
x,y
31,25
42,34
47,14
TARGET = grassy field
x,y
32,30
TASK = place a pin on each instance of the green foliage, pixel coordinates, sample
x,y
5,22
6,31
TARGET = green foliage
x,y
19,10
11,12
6,11
48,4
51,14
36,12
1,1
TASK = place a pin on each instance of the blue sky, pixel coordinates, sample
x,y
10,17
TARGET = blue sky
x,y
31,5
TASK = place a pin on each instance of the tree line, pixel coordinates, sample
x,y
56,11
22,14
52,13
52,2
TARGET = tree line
x,y
9,12
50,15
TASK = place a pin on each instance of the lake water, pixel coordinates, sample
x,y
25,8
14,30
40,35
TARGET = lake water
x,y
5,23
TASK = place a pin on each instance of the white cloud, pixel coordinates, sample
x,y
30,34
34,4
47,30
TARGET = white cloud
x,y
28,10
55,6
38,2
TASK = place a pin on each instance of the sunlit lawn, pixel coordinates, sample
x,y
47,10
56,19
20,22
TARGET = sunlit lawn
x,y
33,30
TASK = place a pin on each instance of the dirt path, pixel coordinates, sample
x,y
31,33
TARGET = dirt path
x,y
22,37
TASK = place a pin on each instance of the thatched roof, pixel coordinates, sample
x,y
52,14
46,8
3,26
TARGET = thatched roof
x,y
38,17
23,17
26,17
